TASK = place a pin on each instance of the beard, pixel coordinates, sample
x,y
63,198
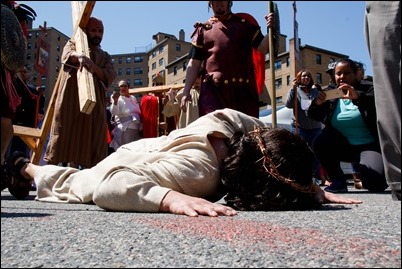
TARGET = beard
x,y
221,12
95,41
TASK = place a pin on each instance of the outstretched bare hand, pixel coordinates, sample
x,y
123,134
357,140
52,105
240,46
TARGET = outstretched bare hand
x,y
181,204
324,197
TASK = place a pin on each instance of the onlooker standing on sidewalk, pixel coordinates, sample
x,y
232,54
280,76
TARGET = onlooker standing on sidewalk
x,y
127,114
302,125
110,124
361,74
383,34
330,72
172,107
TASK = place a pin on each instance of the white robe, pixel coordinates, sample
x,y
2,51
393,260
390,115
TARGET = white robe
x,y
139,174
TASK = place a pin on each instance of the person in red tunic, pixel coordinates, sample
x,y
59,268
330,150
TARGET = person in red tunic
x,y
225,44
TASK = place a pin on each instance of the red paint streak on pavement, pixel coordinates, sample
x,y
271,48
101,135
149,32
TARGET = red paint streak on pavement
x,y
230,229
241,232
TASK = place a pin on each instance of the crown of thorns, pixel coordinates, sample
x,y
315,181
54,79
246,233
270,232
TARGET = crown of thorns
x,y
269,165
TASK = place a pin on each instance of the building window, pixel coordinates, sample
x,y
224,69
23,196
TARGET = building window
x,y
178,47
138,59
161,49
120,60
318,59
278,65
119,72
29,46
175,70
112,60
129,81
137,82
138,70
319,78
128,60
287,62
57,58
128,71
287,80
153,54
278,83
58,37
161,61
29,56
153,66
185,66
58,48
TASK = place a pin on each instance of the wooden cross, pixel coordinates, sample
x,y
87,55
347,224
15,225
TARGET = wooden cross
x,y
36,138
81,15
156,89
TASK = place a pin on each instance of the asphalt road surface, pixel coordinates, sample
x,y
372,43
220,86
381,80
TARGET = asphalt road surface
x,y
44,235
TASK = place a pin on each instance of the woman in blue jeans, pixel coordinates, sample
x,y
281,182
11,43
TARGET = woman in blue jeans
x,y
350,133
307,128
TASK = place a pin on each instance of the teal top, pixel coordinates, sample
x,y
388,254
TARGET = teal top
x,y
349,122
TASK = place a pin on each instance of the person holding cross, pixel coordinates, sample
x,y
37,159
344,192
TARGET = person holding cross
x,y
75,137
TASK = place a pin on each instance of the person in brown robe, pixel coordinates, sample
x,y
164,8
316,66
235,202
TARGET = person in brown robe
x,y
75,137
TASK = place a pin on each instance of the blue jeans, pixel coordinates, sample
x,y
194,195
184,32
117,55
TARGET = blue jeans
x,y
309,136
331,148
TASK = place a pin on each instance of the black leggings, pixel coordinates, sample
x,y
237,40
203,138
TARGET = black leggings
x,y
331,148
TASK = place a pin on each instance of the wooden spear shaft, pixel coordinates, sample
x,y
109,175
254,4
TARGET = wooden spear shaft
x,y
272,67
295,42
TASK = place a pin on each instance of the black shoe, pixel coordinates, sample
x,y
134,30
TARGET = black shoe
x,y
5,177
19,186
337,187
33,186
396,195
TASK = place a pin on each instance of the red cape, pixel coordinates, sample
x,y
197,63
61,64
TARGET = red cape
x,y
258,57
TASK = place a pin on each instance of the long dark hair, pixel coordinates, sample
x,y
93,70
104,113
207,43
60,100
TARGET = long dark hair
x,y
268,169
299,75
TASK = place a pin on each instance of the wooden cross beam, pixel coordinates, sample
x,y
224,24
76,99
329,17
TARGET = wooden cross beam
x,y
81,14
36,138
156,89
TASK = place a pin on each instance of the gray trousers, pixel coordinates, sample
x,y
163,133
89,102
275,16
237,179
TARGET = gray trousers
x,y
383,35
